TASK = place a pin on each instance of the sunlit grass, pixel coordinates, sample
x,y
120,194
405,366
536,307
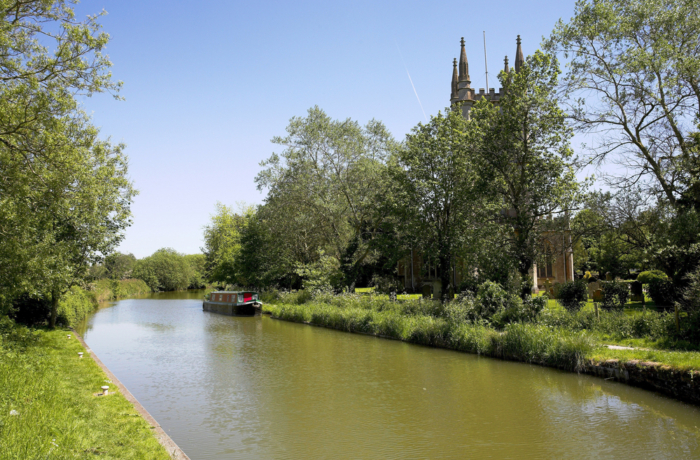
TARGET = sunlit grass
x,y
48,409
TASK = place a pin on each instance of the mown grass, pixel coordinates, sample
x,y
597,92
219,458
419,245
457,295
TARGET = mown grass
x,y
556,338
51,391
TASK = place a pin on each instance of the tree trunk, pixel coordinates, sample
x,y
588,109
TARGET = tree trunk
x,y
54,308
445,278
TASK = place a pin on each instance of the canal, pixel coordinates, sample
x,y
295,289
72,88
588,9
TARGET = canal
x,y
258,388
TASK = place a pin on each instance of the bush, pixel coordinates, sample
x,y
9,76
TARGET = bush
x,y
520,311
490,299
650,276
615,295
573,294
663,292
75,305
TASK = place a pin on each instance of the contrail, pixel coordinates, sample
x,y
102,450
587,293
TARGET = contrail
x,y
411,80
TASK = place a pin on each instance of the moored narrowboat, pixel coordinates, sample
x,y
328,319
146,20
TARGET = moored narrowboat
x,y
232,303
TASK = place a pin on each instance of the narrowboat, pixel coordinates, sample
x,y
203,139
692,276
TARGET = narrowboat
x,y
232,303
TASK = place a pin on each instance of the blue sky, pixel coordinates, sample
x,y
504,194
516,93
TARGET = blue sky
x,y
209,83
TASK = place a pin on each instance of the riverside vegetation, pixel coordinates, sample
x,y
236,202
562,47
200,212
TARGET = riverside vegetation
x,y
495,323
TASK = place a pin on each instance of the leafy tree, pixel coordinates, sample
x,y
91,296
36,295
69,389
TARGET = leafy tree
x,y
262,260
119,266
164,270
64,195
524,158
435,176
222,244
634,81
325,186
197,264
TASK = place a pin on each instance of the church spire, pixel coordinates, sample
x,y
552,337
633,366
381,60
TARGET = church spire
x,y
519,59
463,65
506,69
455,79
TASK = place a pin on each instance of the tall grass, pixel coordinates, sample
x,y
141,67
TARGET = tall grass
x,y
106,290
531,343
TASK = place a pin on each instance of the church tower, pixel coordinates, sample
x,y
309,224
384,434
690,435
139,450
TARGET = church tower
x,y
461,91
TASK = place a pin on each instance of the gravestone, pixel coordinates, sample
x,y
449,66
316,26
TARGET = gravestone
x,y
592,287
598,295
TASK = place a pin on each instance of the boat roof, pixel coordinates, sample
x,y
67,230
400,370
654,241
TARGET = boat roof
x,y
233,292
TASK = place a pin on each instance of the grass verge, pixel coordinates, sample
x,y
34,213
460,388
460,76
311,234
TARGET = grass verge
x,y
558,338
48,408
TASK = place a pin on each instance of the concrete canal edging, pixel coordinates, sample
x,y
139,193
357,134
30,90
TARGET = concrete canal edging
x,y
681,385
166,441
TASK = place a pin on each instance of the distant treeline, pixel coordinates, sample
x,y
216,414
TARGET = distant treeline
x,y
164,270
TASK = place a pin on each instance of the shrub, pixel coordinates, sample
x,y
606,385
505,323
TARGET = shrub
x,y
663,292
75,305
490,299
649,276
573,294
615,295
462,309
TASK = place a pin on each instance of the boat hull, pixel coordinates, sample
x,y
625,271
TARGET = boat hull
x,y
229,309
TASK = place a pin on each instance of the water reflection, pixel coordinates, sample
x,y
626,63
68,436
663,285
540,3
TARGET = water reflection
x,y
226,387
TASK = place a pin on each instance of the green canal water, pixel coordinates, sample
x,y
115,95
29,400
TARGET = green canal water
x,y
258,388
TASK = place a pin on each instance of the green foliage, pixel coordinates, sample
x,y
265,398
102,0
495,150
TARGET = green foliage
x,y
164,270
106,290
573,294
523,342
615,295
663,292
323,275
327,188
491,298
632,83
691,295
525,158
197,264
75,305
119,266
435,175
649,276
65,194
222,244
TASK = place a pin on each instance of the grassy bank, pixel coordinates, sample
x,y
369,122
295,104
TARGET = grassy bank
x,y
554,337
48,408
106,290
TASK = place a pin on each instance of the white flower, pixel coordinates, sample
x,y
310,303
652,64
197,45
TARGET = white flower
x,y
14,412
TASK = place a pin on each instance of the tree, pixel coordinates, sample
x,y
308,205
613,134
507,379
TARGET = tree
x,y
326,186
64,194
222,243
119,266
198,265
634,84
435,175
164,270
524,159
